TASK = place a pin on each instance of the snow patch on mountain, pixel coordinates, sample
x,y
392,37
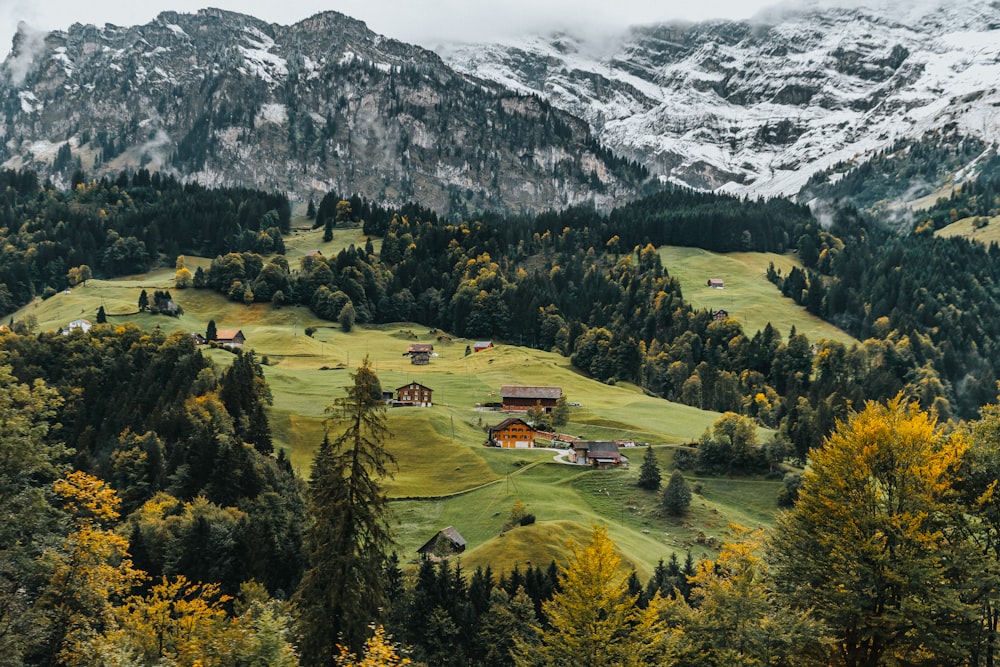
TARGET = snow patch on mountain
x,y
756,108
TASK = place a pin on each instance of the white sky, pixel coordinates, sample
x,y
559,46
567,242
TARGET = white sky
x,y
422,22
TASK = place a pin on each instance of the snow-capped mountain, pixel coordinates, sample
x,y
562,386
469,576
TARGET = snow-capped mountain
x,y
756,107
321,105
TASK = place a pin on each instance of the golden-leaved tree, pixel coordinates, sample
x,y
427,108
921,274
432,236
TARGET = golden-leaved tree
x,y
734,617
873,546
595,621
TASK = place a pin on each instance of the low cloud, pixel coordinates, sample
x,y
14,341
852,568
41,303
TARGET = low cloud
x,y
29,45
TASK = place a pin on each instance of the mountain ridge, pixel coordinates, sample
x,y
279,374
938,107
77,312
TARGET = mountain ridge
x,y
756,107
322,105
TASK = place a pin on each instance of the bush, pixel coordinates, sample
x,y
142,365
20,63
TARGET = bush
x,y
527,519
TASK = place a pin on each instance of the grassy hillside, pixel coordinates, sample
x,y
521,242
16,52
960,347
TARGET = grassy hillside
x,y
446,477
966,227
747,296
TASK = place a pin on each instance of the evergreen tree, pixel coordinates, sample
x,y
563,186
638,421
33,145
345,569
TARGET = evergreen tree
x,y
311,209
211,333
676,495
102,317
509,620
560,414
347,536
649,473
244,392
143,301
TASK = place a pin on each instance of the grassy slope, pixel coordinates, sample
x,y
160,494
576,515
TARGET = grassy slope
x,y
747,296
445,475
964,227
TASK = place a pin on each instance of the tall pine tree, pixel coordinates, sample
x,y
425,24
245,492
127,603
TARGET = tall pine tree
x,y
649,473
347,537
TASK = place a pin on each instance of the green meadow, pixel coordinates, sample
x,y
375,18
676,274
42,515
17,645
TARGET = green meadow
x,y
990,233
747,296
445,475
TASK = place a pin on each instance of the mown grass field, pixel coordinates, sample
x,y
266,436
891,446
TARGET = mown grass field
x,y
445,476
747,296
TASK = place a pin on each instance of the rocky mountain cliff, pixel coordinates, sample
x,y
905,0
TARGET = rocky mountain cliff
x,y
321,105
756,107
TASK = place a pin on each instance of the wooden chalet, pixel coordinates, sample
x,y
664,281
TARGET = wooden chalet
x,y
511,433
521,399
720,314
419,353
481,345
445,544
596,453
717,283
414,394
230,337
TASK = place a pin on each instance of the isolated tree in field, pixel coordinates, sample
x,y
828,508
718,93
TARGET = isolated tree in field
x,y
594,621
347,317
649,473
872,545
183,278
79,274
676,495
143,301
102,316
211,333
347,537
311,209
560,414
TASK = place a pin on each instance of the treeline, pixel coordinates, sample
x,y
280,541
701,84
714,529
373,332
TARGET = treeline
x,y
905,171
122,226
929,308
978,198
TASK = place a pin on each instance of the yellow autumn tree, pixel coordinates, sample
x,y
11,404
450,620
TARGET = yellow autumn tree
x,y
872,545
380,651
735,618
594,620
90,572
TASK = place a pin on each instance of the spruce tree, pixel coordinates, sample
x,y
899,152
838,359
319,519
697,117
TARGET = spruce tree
x,y
649,473
102,316
347,537
210,331
143,301
677,495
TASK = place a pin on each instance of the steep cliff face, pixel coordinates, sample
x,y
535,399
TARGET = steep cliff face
x,y
321,105
757,107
